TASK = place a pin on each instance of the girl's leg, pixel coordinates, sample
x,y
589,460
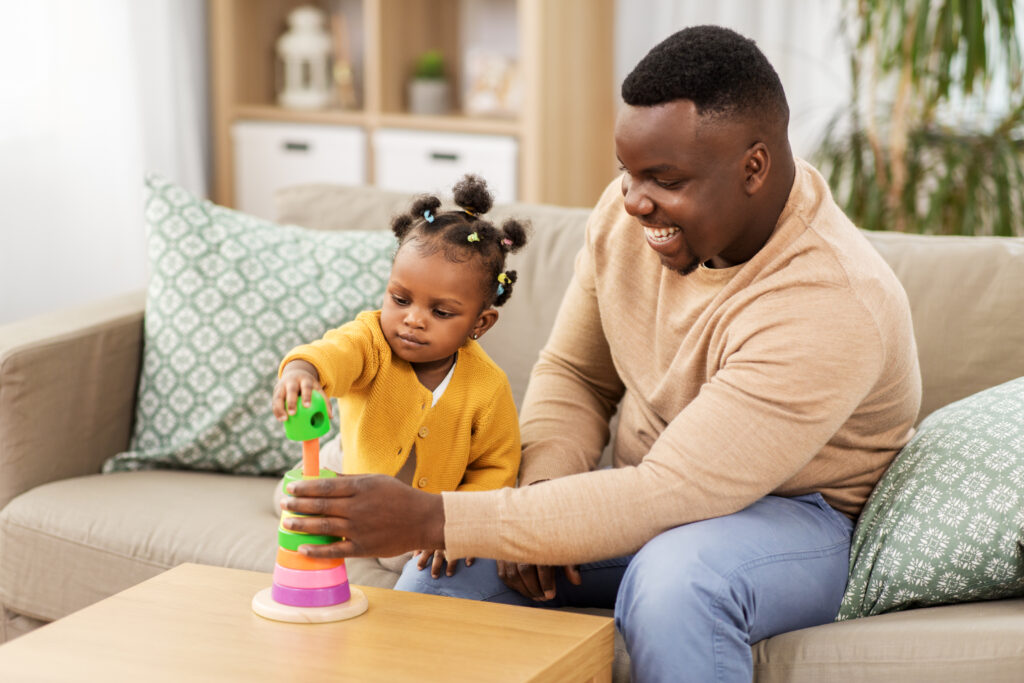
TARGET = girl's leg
x,y
600,583
696,597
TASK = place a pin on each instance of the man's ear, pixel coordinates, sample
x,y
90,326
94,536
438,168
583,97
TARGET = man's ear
x,y
756,165
486,321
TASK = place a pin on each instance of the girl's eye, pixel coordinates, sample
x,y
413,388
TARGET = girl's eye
x,y
399,300
442,314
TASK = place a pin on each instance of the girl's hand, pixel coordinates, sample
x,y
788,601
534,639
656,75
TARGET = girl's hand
x,y
439,559
298,380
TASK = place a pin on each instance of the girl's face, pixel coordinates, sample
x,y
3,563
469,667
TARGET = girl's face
x,y
432,305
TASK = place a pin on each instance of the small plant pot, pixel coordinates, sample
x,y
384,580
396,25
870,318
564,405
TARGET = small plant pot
x,y
428,96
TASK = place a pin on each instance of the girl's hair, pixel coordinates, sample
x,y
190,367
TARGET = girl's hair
x,y
463,235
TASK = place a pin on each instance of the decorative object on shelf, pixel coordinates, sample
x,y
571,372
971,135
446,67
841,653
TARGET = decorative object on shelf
x,y
428,89
344,80
304,53
492,85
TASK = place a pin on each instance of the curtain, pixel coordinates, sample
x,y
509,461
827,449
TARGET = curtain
x,y
94,94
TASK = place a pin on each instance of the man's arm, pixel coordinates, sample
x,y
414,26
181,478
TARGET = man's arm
x,y
781,395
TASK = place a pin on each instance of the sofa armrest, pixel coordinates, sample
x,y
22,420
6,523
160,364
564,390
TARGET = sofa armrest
x,y
67,391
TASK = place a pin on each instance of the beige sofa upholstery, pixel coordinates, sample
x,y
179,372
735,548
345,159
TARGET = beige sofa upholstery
x,y
70,536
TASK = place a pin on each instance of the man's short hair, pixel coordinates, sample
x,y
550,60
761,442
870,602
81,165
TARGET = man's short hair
x,y
717,69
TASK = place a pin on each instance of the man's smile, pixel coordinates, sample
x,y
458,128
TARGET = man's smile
x,y
660,235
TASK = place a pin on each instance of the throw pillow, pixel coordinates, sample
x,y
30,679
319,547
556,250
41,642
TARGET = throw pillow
x,y
946,522
229,295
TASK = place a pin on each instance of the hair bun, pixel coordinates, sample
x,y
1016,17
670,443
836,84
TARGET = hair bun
x,y
472,195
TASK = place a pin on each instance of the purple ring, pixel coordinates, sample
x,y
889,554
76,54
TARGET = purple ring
x,y
310,597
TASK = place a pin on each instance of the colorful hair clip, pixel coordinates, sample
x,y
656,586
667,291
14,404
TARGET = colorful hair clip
x,y
501,290
429,217
473,238
471,213
506,241
503,278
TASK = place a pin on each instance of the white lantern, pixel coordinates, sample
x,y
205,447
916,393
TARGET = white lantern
x,y
304,52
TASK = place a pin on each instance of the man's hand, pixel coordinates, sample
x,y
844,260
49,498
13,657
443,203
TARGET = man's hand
x,y
535,581
376,515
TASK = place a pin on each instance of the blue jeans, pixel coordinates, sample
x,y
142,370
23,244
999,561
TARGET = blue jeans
x,y
692,600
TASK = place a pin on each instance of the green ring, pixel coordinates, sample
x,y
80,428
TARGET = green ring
x,y
296,475
291,540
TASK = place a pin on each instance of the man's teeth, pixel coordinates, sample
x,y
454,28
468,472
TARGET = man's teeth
x,y
660,234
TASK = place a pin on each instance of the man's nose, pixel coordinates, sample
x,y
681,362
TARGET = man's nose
x,y
636,201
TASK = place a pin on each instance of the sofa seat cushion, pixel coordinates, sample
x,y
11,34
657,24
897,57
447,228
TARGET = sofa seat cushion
x,y
982,641
67,544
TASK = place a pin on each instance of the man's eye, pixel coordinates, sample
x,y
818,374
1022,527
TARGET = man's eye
x,y
667,184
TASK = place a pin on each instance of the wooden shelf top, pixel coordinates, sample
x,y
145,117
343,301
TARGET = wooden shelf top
x,y
454,123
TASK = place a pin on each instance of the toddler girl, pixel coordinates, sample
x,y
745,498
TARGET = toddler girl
x,y
419,399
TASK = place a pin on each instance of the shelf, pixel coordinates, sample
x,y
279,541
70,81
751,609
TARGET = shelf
x,y
454,124
560,50
269,112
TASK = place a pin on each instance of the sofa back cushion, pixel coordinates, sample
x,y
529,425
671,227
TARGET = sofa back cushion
x,y
967,302
966,293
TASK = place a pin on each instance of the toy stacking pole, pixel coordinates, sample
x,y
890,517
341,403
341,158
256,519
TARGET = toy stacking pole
x,y
311,458
308,589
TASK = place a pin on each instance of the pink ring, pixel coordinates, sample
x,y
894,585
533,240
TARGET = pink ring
x,y
310,597
310,578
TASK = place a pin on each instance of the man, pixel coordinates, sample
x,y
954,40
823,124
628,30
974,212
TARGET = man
x,y
760,354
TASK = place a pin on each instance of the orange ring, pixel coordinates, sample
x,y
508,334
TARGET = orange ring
x,y
292,559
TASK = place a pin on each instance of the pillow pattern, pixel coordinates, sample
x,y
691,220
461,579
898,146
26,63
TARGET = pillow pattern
x,y
946,522
229,295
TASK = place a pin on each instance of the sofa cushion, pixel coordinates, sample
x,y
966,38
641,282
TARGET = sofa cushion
x,y
969,642
67,544
229,295
946,522
966,299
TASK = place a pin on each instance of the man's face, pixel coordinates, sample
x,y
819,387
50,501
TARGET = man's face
x,y
684,181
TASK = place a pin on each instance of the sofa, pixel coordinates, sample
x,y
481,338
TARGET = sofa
x,y
70,536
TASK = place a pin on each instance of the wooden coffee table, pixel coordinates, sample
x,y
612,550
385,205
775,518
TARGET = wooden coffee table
x,y
194,623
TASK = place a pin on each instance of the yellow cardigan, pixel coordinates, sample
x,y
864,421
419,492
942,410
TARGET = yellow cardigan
x,y
469,441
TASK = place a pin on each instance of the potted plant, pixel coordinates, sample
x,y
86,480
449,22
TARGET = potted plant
x,y
933,138
428,89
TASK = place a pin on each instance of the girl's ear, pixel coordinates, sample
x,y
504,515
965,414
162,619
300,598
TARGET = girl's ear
x,y
486,321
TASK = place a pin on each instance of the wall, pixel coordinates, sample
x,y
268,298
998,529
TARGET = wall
x,y
95,92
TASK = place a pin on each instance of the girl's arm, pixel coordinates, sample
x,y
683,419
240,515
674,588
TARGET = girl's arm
x,y
495,450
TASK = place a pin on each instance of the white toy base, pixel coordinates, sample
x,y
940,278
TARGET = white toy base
x,y
264,605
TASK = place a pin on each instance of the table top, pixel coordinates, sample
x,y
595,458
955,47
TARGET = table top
x,y
195,623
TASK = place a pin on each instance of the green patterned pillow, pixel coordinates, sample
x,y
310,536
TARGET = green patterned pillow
x,y
229,295
946,522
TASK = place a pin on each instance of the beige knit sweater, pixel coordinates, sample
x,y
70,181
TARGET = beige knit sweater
x,y
794,372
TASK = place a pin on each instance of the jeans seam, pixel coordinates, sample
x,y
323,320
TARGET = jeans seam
x,y
759,562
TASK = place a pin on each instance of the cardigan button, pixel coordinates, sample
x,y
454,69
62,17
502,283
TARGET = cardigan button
x,y
423,432
422,482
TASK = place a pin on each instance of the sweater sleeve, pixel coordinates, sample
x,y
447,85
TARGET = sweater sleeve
x,y
345,357
573,389
796,370
495,448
